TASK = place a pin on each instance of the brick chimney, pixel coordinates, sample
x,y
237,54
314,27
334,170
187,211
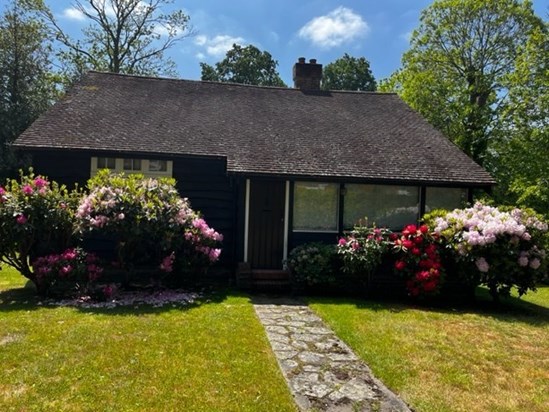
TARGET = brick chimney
x,y
307,76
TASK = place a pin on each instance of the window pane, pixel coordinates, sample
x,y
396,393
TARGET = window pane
x,y
106,163
388,206
132,164
448,198
315,206
158,165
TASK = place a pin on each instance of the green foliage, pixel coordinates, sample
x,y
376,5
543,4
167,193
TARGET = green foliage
x,y
348,73
522,166
36,219
313,264
363,248
124,36
245,65
27,86
456,71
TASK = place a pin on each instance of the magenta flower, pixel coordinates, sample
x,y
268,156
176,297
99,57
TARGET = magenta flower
x,y
21,219
214,255
535,263
65,270
40,182
27,190
342,242
69,254
167,263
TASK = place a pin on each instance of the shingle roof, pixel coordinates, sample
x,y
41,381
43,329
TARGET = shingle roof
x,y
263,130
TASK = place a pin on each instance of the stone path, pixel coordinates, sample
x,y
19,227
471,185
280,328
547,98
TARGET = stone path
x,y
322,372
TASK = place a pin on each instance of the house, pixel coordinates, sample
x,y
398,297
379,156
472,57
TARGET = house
x,y
269,167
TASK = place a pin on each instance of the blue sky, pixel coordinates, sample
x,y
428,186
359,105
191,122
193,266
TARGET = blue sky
x,y
323,29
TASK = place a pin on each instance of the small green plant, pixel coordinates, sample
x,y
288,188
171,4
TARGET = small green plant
x,y
363,248
313,264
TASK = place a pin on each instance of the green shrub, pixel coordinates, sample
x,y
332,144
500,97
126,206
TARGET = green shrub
x,y
363,248
313,264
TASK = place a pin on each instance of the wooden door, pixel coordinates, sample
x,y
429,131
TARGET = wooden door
x,y
266,224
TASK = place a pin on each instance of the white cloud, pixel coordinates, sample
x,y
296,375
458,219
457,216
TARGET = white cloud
x,y
217,46
73,14
337,27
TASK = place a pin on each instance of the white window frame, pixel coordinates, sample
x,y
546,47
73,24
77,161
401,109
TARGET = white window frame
x,y
119,168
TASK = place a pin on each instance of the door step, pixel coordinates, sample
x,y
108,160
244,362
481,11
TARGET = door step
x,y
262,279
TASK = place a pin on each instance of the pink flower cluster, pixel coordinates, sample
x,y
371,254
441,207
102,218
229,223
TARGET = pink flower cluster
x,y
482,225
206,231
73,263
167,263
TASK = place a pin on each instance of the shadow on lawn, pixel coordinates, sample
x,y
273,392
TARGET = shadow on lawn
x,y
511,309
25,299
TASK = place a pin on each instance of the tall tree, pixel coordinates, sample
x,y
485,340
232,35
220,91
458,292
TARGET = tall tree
x,y
246,65
523,148
27,85
456,71
124,36
348,73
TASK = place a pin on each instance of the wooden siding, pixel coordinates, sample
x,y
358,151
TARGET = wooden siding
x,y
212,192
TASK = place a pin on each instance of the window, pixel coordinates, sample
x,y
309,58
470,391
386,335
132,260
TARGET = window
x,y
448,198
132,164
106,163
158,165
389,206
315,207
149,168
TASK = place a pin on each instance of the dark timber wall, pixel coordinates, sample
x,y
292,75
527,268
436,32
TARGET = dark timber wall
x,y
203,181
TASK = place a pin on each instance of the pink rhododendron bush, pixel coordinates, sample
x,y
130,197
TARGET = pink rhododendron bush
x,y
149,222
495,248
43,227
36,220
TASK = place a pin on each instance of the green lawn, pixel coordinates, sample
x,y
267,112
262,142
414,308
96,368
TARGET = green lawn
x,y
213,356
478,358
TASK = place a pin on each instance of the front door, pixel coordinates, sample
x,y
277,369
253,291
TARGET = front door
x,y
266,224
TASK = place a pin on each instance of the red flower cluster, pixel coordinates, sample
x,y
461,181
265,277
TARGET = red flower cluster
x,y
419,260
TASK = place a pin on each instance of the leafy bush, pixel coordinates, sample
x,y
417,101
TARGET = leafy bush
x,y
74,269
149,221
418,260
312,264
36,219
362,249
496,248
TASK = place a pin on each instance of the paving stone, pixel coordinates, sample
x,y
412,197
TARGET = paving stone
x,y
277,329
287,354
323,373
311,358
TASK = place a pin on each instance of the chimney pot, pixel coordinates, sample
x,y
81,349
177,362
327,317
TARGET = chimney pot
x,y
307,76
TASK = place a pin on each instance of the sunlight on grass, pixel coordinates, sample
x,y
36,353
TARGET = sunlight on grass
x,y
481,358
208,357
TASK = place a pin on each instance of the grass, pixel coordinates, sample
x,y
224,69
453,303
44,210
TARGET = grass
x,y
477,358
213,356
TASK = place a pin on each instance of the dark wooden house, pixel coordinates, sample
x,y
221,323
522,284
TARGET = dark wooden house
x,y
269,167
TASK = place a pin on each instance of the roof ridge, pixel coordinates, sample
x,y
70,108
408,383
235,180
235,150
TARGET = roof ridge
x,y
174,79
